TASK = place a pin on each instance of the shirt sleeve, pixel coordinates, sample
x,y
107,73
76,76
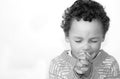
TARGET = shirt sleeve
x,y
54,71
114,71
59,69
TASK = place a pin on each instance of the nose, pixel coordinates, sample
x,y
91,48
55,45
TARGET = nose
x,y
86,47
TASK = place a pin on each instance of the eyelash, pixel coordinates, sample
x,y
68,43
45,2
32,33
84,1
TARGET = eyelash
x,y
78,41
81,41
94,41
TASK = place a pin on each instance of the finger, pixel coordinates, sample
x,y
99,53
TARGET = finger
x,y
85,62
87,55
79,64
84,69
78,71
82,56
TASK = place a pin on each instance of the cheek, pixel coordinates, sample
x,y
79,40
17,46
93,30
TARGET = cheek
x,y
96,47
74,47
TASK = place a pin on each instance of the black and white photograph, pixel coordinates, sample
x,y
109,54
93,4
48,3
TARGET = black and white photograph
x,y
59,39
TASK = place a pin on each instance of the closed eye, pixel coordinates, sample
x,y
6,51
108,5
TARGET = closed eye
x,y
94,41
78,41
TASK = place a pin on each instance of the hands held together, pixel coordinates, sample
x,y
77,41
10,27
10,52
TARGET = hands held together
x,y
83,66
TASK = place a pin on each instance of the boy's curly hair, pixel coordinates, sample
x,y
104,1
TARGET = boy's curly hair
x,y
87,10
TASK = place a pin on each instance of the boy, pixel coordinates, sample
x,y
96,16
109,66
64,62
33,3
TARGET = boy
x,y
85,25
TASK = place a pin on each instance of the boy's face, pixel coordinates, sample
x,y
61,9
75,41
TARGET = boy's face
x,y
85,35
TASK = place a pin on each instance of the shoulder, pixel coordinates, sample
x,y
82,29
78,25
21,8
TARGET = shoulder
x,y
109,66
58,60
59,67
55,65
109,59
59,63
62,59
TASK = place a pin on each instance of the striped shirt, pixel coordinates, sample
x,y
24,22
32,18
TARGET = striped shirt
x,y
104,67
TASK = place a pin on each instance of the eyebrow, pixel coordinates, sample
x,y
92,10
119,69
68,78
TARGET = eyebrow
x,y
90,38
95,37
78,37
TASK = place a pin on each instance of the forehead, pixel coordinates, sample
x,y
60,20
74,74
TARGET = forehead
x,y
82,27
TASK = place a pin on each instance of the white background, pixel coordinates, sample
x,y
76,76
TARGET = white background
x,y
30,35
